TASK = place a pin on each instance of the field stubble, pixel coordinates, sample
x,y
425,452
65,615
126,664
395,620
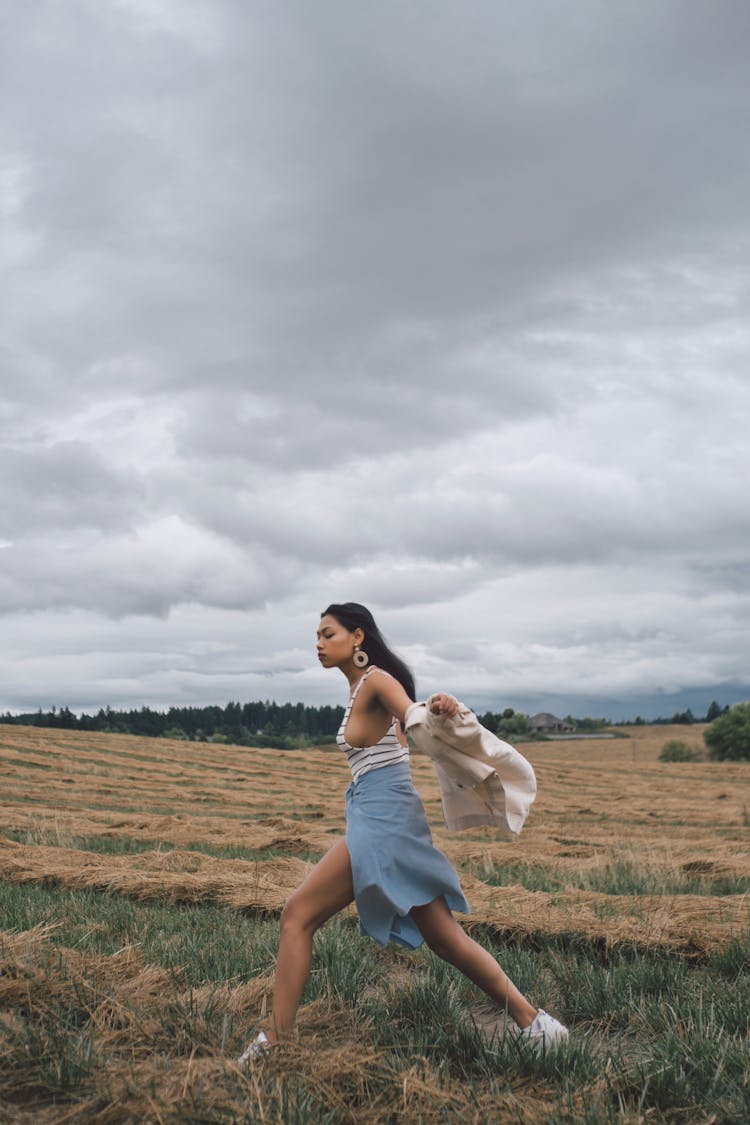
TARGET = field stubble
x,y
141,880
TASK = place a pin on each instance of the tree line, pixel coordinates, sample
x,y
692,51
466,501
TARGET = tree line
x,y
286,726
509,723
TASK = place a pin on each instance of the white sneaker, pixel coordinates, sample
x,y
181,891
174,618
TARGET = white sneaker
x,y
255,1049
544,1030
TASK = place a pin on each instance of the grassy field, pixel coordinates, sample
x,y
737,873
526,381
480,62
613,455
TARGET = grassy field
x,y
140,886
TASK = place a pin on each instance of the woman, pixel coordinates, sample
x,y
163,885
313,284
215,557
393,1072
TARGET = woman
x,y
405,889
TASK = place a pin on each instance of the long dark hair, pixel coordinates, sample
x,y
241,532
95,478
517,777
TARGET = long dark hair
x,y
353,616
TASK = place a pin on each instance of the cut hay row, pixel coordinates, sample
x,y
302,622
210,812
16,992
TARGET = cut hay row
x,y
586,784
173,877
540,846
685,924
35,972
160,1054
128,847
598,802
277,832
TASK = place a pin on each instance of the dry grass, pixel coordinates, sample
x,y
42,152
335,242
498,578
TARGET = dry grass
x,y
160,1052
599,801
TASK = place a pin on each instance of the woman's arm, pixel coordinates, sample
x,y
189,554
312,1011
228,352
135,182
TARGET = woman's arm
x,y
395,701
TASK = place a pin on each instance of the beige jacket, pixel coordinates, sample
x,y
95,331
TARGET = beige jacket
x,y
483,780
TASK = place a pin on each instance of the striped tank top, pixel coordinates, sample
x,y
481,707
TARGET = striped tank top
x,y
362,759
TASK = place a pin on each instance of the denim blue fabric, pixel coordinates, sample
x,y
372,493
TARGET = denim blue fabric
x,y
395,864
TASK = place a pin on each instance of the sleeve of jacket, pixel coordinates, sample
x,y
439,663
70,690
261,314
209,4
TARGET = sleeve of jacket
x,y
483,780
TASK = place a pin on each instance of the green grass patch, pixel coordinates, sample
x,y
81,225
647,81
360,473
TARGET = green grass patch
x,y
654,1036
51,1055
621,877
27,762
204,943
69,803
128,845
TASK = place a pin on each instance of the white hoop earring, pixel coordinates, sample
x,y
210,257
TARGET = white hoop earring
x,y
360,658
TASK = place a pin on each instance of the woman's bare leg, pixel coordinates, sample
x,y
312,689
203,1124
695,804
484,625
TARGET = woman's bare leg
x,y
449,941
326,890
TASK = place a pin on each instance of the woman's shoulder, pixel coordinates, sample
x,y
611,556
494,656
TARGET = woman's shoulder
x,y
385,685
375,680
379,675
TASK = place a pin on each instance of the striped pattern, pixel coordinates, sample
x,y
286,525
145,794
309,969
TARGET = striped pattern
x,y
362,759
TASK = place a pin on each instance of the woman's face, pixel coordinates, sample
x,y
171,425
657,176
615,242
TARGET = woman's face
x,y
335,643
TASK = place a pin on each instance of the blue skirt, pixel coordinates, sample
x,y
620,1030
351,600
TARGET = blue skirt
x,y
395,864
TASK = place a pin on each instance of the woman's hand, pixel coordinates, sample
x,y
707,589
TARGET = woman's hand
x,y
442,704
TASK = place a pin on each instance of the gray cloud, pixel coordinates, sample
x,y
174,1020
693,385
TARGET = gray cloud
x,y
426,306
64,485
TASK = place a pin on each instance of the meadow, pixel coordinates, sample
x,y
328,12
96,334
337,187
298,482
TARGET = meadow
x,y
140,886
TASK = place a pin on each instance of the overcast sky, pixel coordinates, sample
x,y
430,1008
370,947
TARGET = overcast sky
x,y
440,307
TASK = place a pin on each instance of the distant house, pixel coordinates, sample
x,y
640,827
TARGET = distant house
x,y
550,724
